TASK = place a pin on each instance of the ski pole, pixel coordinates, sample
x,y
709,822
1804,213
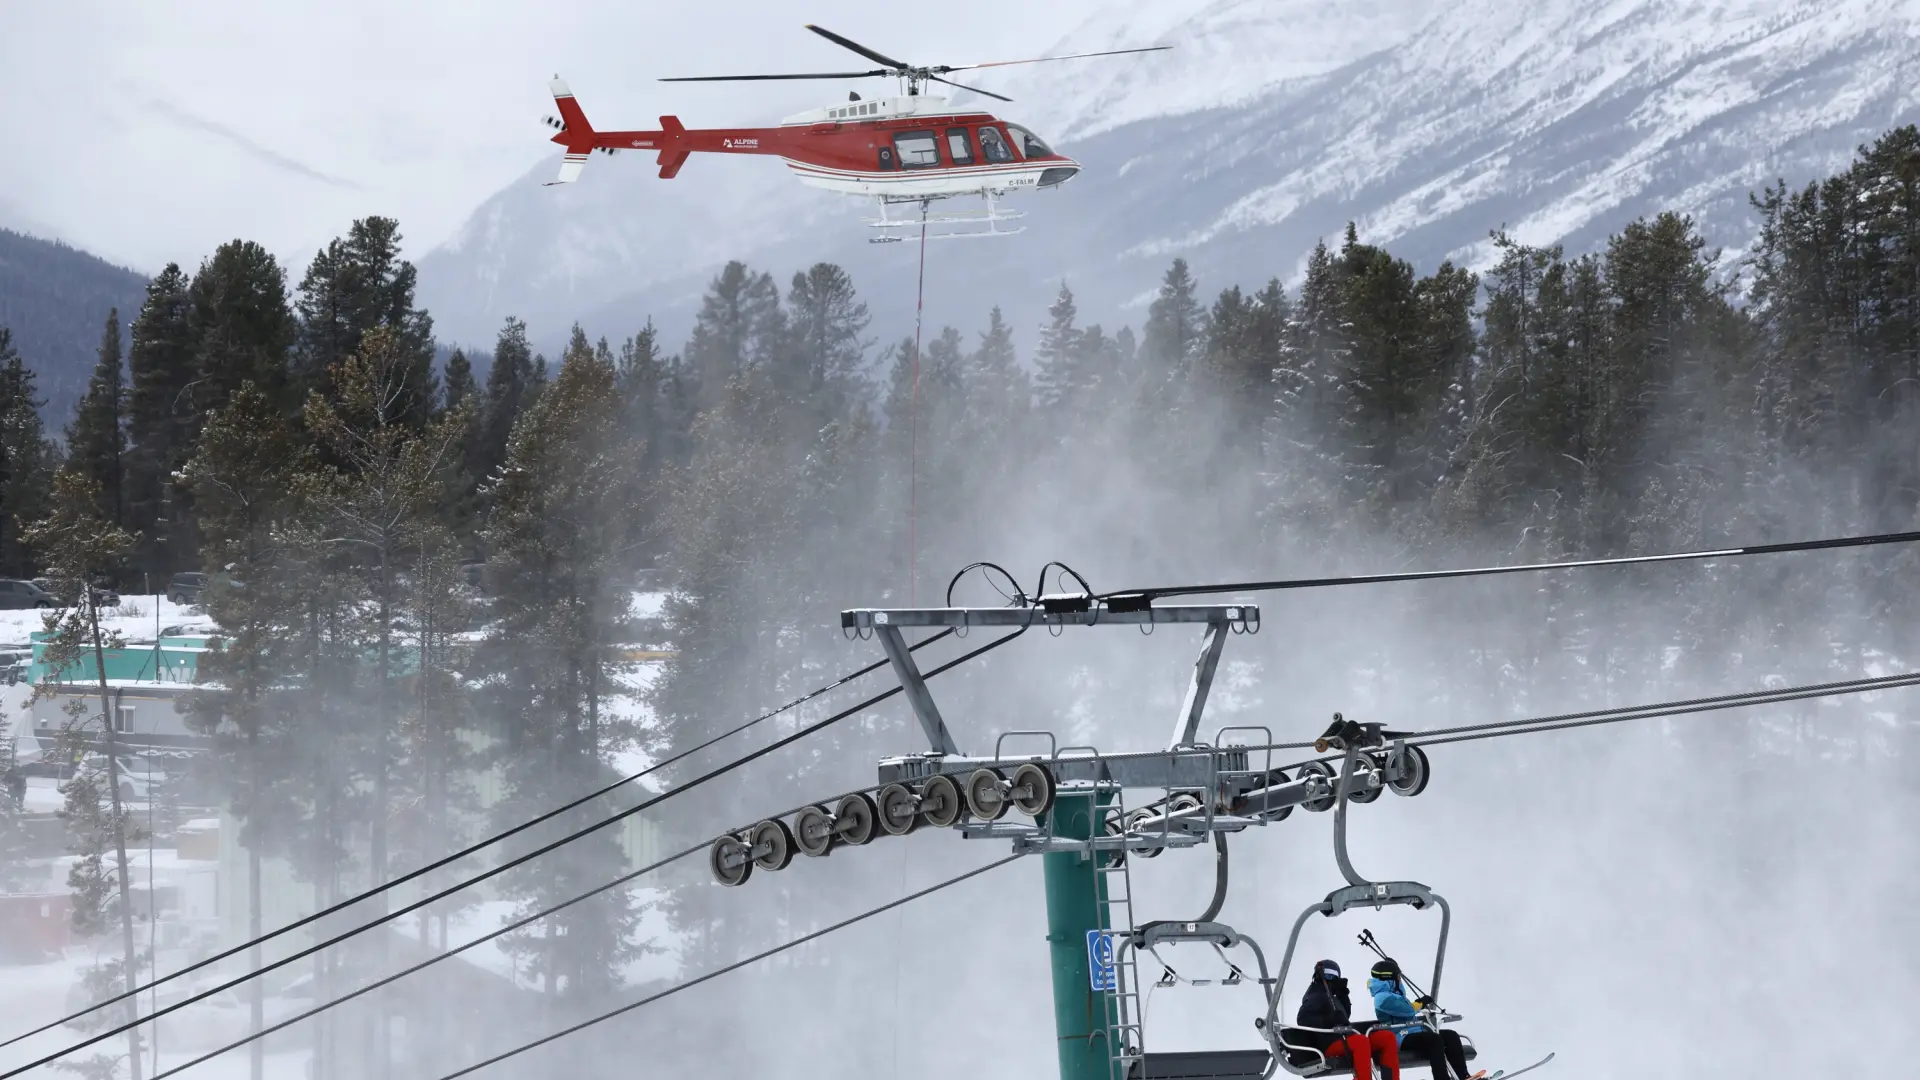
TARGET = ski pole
x,y
1367,939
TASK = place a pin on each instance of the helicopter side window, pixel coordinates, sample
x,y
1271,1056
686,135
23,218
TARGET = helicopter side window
x,y
959,148
1030,145
993,147
917,149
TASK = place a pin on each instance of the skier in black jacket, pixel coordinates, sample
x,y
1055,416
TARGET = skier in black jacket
x,y
1327,1009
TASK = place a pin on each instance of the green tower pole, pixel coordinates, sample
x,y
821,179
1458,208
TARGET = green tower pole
x,y
1074,907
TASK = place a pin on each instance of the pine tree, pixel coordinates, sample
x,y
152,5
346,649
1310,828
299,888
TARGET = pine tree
x,y
356,285
825,324
242,478
26,463
737,327
509,383
553,538
1245,335
81,548
456,383
1061,378
161,368
97,437
242,326
388,478
97,899
15,845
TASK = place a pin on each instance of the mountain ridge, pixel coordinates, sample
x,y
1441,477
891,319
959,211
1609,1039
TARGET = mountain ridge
x,y
55,298
1560,122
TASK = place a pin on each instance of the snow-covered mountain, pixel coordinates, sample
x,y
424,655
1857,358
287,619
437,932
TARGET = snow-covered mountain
x,y
1269,126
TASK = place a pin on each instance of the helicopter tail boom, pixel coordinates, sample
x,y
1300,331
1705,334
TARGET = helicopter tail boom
x,y
581,140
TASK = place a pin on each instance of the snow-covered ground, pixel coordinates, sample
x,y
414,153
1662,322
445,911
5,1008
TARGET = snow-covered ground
x,y
137,619
34,994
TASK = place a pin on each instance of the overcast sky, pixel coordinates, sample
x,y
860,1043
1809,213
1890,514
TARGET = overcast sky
x,y
153,131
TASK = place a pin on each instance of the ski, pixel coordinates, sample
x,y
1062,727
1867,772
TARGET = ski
x,y
1502,1074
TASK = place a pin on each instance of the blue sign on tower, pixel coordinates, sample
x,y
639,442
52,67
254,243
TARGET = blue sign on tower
x,y
1100,973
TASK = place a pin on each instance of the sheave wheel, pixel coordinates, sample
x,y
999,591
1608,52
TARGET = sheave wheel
x,y
730,860
985,799
1032,792
1252,804
772,844
940,801
1327,772
1134,822
1413,772
813,831
1369,779
856,820
898,814
1115,826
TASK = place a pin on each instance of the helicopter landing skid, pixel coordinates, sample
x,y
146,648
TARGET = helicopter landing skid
x,y
943,225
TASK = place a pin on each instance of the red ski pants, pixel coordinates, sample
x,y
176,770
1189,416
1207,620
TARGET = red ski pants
x,y
1380,1042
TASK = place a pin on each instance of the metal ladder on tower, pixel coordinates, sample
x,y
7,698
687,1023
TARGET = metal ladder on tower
x,y
1125,1024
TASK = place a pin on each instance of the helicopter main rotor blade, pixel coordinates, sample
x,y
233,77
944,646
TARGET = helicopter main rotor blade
x,y
1044,59
760,78
846,43
971,89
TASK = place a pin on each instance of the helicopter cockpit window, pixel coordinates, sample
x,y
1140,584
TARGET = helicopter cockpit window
x,y
993,147
917,149
1030,145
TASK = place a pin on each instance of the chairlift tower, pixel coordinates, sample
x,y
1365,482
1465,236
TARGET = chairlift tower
x,y
1074,800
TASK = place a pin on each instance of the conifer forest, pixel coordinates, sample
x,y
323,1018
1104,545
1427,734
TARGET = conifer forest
x,y
423,564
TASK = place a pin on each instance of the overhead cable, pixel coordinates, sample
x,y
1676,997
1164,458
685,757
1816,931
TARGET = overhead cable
x,y
1134,599
464,852
481,940
1477,732
737,965
502,868
429,962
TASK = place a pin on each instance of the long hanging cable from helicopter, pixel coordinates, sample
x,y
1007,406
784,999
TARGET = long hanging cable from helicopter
x,y
1494,729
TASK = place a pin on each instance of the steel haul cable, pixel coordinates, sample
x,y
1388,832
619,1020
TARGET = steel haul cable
x,y
735,966
1127,598
711,774
1482,731
471,849
1567,721
476,942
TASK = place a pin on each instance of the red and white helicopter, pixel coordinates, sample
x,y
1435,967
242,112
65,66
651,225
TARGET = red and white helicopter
x,y
913,148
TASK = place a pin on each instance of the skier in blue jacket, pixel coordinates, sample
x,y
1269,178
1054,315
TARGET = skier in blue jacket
x,y
1401,1015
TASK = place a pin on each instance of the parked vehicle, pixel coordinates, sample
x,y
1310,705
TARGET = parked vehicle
x,y
102,596
14,664
16,595
186,588
140,776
